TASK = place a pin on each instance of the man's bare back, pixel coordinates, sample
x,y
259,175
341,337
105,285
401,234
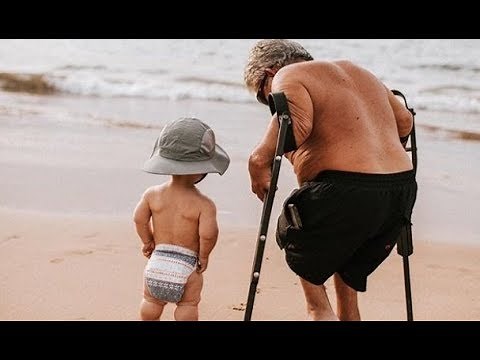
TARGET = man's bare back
x,y
347,120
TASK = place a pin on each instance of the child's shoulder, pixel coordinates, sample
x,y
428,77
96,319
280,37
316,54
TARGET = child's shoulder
x,y
205,199
155,189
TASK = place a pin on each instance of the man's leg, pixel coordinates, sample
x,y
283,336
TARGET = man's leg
x,y
318,306
347,303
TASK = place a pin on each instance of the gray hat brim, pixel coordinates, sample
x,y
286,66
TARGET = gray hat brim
x,y
160,165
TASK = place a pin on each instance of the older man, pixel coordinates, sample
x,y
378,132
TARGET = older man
x,y
349,133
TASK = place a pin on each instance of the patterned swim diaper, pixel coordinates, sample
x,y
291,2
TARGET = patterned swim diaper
x,y
168,270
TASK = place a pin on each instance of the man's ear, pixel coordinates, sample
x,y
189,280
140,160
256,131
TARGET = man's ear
x,y
271,71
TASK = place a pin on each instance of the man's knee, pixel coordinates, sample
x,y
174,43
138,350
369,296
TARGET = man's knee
x,y
314,294
314,299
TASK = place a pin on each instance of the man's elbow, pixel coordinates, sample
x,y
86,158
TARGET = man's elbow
x,y
256,162
252,162
405,124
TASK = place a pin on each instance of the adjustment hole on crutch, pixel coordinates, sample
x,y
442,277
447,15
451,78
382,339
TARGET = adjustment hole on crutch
x,y
256,274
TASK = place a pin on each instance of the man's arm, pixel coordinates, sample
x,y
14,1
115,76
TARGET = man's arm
x,y
141,217
208,233
403,117
301,111
260,161
300,105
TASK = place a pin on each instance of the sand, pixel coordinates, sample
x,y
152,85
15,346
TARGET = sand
x,y
85,268
68,249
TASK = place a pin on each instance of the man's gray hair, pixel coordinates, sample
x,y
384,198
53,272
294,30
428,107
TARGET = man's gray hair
x,y
272,53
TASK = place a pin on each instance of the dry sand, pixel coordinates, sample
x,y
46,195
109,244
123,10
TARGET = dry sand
x,y
84,267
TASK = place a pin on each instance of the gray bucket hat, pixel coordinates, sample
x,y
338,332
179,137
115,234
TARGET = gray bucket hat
x,y
187,146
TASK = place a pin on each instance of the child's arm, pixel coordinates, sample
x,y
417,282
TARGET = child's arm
x,y
141,217
208,232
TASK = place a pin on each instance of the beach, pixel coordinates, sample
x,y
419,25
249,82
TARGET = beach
x,y
90,268
71,179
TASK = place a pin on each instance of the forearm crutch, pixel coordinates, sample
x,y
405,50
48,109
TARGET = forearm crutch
x,y
278,104
404,242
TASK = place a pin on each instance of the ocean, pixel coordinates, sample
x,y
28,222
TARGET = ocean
x,y
79,117
439,76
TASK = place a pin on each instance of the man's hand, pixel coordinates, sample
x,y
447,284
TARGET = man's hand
x,y
260,177
147,249
261,184
260,161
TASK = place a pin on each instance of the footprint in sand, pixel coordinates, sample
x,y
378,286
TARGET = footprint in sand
x,y
56,260
80,252
440,267
435,266
89,236
464,270
11,237
72,252
109,248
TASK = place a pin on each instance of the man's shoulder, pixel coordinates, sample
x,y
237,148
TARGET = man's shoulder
x,y
306,67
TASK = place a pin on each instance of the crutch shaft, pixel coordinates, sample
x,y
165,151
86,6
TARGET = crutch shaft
x,y
408,288
405,242
265,219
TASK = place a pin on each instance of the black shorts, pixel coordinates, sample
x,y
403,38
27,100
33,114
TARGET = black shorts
x,y
350,224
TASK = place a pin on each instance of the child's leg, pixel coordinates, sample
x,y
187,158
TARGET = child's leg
x,y
187,307
150,308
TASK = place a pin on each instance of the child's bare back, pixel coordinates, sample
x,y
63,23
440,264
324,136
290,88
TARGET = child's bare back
x,y
176,212
176,223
